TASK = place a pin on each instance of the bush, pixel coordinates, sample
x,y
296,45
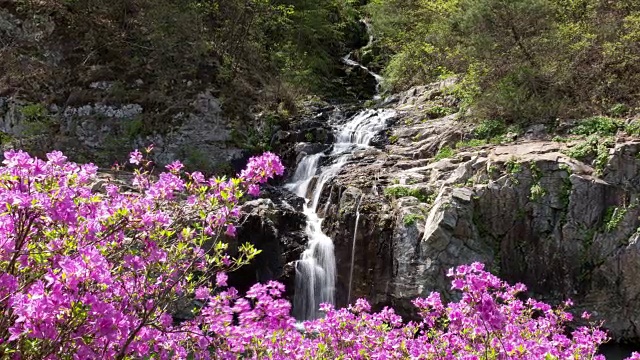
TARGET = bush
x,y
471,143
490,322
523,61
401,191
489,128
600,125
594,147
439,111
411,219
34,112
619,110
96,274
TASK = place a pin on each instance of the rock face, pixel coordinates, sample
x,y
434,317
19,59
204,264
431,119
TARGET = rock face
x,y
275,225
103,133
563,227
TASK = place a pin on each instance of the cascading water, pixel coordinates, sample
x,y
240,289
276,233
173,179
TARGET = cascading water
x,y
316,270
347,60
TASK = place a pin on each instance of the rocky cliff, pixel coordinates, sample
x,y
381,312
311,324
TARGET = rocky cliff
x,y
558,213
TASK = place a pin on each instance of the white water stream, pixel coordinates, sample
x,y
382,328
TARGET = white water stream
x,y
347,60
315,279
316,270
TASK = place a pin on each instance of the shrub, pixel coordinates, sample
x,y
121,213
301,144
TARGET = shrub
x,y
537,192
34,112
525,61
600,125
613,217
471,143
96,275
439,111
401,191
308,136
489,128
411,219
633,128
619,110
490,322
513,166
592,147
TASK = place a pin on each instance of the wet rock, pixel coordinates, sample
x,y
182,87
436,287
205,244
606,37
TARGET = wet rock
x,y
310,148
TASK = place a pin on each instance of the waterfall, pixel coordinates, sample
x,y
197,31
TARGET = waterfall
x,y
347,60
353,248
316,270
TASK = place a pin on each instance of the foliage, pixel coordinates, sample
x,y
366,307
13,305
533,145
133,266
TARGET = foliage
x,y
439,111
34,112
133,127
490,131
513,166
600,125
594,147
471,143
537,192
613,217
633,128
96,274
444,153
411,219
402,191
489,128
308,136
37,119
584,149
619,110
5,138
519,61
254,53
489,322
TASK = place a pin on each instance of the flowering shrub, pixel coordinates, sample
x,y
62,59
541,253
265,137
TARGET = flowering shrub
x,y
86,274
489,322
92,275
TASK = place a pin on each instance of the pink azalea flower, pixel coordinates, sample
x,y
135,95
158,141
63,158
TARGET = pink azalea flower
x,y
135,157
221,279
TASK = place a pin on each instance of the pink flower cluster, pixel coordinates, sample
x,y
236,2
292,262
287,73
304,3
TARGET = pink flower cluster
x,y
98,274
490,321
91,272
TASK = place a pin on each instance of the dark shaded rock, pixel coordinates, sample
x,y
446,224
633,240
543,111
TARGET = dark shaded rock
x,y
283,198
274,225
372,265
360,82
